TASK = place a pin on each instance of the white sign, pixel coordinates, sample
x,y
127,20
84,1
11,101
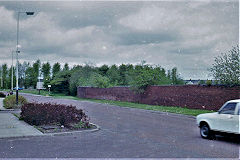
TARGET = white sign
x,y
49,86
40,85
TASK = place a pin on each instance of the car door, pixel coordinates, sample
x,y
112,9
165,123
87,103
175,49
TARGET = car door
x,y
238,118
228,120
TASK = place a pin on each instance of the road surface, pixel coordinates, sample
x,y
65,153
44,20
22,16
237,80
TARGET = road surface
x,y
124,133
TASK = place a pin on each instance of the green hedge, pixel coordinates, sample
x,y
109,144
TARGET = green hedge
x,y
10,102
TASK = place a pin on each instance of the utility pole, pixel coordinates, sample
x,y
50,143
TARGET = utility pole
x,y
1,78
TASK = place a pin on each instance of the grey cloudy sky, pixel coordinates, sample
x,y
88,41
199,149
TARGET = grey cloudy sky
x,y
183,34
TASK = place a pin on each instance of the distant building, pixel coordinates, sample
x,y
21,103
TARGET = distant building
x,y
198,82
194,82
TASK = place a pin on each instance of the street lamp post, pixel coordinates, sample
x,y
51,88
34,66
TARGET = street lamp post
x,y
12,74
17,51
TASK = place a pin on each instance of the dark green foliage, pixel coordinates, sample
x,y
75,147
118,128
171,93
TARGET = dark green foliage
x,y
175,77
46,81
4,75
66,67
31,74
201,82
36,69
56,69
66,81
60,83
146,75
99,81
103,70
123,72
46,67
114,75
80,76
29,77
9,80
22,73
138,77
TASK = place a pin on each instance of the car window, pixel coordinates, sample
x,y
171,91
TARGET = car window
x,y
228,109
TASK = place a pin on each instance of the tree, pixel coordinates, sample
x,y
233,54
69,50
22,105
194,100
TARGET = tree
x,y
97,80
175,77
146,75
10,77
103,70
66,67
122,71
29,80
60,83
46,67
56,69
226,67
4,75
22,72
80,76
113,75
36,68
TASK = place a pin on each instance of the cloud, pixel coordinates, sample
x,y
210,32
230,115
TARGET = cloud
x,y
184,34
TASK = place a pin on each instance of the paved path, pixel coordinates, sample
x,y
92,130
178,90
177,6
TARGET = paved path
x,y
10,126
125,133
1,104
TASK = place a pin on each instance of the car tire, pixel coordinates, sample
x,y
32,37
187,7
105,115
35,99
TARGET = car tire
x,y
206,132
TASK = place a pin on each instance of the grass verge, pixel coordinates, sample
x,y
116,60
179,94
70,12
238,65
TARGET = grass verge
x,y
178,110
42,92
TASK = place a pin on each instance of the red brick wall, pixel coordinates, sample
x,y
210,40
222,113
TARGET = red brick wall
x,y
190,96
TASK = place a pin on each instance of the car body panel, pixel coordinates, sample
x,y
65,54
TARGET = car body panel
x,y
218,121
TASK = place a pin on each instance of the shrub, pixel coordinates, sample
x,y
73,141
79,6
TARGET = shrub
x,y
10,102
100,81
46,113
2,94
208,82
201,82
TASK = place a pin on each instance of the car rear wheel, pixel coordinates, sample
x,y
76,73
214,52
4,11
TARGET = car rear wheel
x,y
205,132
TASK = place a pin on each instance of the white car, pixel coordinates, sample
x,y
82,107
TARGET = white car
x,y
226,120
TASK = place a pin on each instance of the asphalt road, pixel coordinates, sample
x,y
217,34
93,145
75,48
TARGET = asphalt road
x,y
125,133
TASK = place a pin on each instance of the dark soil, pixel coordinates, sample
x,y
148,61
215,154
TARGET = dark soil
x,y
56,128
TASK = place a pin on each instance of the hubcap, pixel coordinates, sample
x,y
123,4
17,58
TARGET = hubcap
x,y
204,131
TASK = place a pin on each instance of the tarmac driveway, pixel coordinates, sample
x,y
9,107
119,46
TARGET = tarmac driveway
x,y
125,133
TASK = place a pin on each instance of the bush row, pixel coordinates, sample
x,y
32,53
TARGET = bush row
x,y
46,113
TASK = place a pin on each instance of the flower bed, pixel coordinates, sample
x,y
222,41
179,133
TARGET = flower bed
x,y
54,116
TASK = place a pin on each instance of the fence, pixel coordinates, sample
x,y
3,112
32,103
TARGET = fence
x,y
190,96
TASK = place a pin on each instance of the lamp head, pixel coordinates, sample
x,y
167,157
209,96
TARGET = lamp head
x,y
30,13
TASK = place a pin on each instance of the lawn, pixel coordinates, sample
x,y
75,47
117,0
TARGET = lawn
x,y
42,92
178,110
